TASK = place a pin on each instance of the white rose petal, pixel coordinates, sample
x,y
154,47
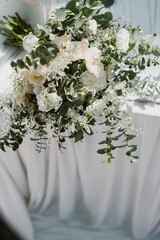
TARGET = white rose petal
x,y
92,25
20,100
62,40
59,63
36,77
29,42
47,101
93,61
37,89
122,40
92,82
96,108
78,49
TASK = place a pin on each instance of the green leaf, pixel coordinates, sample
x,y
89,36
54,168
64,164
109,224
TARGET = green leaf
x,y
34,64
129,137
102,142
119,92
134,161
78,126
52,52
19,140
34,139
102,150
71,5
20,64
78,23
141,49
12,134
121,146
64,108
42,51
33,54
131,46
28,61
108,140
133,148
60,13
103,19
78,136
78,102
88,129
136,157
15,146
108,3
128,153
43,61
156,51
2,147
13,64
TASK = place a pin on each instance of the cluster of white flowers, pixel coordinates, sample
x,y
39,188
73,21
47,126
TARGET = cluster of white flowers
x,y
47,101
122,40
77,70
92,25
96,108
94,78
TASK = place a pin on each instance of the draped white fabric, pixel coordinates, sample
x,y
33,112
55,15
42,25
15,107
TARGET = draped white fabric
x,y
72,195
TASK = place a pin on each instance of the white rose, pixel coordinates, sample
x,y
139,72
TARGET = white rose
x,y
47,101
78,49
122,40
93,61
29,41
36,77
92,25
20,100
59,63
110,72
37,89
62,40
92,82
96,108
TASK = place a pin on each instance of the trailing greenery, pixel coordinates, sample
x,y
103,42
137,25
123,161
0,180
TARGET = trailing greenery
x,y
79,67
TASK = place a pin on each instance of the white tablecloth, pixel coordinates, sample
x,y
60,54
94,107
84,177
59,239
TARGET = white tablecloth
x,y
68,195
72,196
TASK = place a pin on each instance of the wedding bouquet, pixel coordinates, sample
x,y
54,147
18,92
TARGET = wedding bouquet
x,y
79,67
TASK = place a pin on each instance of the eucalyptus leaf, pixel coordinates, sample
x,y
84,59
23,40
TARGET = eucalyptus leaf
x,y
108,3
71,5
78,136
60,13
20,63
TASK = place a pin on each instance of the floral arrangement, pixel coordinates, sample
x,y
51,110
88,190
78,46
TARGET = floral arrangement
x,y
72,80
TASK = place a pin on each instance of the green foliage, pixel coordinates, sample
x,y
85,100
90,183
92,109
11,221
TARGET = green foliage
x,y
103,19
14,30
70,18
108,3
71,99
